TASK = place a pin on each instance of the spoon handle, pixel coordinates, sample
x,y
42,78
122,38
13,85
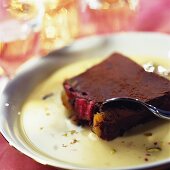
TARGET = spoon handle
x,y
159,112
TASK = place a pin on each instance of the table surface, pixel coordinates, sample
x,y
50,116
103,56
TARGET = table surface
x,y
11,159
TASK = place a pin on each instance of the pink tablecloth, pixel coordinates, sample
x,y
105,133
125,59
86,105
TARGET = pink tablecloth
x,y
11,159
152,15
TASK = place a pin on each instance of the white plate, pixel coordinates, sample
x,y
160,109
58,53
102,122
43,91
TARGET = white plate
x,y
20,130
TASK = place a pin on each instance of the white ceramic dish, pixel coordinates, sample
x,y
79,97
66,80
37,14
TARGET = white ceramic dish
x,y
23,136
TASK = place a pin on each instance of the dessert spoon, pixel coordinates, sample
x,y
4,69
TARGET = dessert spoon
x,y
126,100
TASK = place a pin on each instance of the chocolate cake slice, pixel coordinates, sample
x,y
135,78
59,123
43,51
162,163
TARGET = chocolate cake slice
x,y
117,76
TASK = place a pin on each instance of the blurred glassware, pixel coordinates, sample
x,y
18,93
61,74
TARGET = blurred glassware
x,y
106,16
66,20
20,23
60,25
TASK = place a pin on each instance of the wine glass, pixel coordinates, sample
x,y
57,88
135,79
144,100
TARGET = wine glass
x,y
60,24
106,16
20,23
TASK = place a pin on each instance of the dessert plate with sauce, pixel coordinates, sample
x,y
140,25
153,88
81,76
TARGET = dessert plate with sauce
x,y
34,120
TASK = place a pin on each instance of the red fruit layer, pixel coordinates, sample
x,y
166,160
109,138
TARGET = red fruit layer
x,y
83,107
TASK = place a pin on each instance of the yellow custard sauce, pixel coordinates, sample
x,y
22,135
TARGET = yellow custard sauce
x,y
46,126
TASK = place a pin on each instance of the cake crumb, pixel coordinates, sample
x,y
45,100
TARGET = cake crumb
x,y
113,151
72,132
41,128
148,134
64,146
65,134
74,141
148,154
146,159
153,149
47,96
155,143
47,114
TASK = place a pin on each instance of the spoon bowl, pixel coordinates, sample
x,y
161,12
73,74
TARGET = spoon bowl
x,y
131,101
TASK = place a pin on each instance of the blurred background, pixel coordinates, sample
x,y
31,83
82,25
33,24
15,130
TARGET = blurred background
x,y
66,20
78,18
30,27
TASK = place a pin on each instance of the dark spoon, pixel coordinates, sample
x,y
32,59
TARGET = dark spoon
x,y
157,112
